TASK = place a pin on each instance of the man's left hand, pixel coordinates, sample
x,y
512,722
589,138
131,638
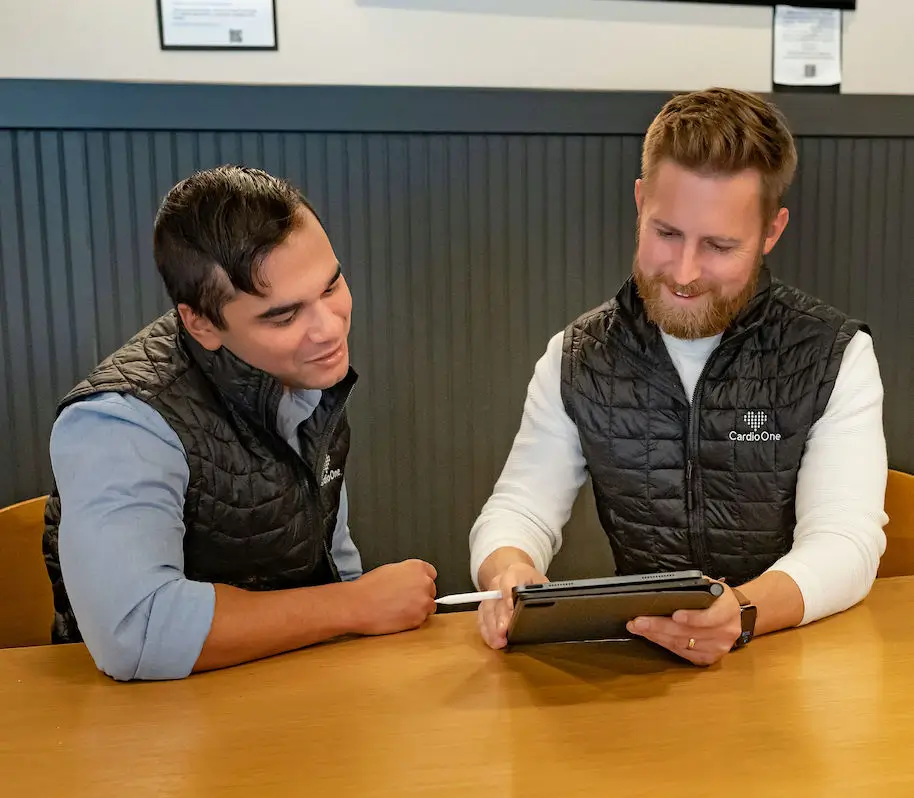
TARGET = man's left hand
x,y
712,632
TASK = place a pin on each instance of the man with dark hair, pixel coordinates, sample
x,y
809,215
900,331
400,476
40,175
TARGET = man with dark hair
x,y
199,517
729,423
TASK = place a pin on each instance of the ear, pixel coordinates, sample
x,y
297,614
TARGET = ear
x,y
639,194
775,229
207,334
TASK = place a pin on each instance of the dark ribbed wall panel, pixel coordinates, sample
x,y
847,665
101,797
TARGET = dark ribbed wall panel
x,y
851,241
465,253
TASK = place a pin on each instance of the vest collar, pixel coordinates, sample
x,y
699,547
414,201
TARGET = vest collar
x,y
645,335
253,393
756,311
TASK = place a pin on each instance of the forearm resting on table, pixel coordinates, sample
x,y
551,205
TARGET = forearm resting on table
x,y
778,600
249,625
498,561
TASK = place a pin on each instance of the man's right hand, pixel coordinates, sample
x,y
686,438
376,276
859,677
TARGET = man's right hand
x,y
395,597
495,614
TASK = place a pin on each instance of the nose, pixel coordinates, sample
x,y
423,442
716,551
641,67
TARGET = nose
x,y
686,268
326,326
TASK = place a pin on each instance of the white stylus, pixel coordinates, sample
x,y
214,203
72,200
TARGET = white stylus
x,y
469,598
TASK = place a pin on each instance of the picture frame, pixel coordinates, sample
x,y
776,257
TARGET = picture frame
x,y
223,25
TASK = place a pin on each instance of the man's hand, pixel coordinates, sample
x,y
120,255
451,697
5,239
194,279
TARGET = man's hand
x,y
713,631
394,597
495,614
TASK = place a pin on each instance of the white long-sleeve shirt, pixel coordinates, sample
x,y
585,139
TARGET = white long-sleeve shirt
x,y
838,538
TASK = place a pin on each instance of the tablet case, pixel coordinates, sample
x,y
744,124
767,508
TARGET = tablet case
x,y
583,611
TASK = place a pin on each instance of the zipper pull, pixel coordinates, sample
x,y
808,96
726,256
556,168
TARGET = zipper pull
x,y
689,485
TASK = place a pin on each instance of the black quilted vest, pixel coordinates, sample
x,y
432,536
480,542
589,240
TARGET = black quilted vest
x,y
256,515
712,485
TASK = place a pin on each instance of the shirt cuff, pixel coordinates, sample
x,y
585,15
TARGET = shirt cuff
x,y
179,623
538,550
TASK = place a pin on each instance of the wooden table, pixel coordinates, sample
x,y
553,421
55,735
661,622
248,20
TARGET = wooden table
x,y
827,710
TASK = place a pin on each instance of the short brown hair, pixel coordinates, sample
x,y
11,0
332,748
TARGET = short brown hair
x,y
725,131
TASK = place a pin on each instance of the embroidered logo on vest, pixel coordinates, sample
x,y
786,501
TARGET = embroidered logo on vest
x,y
328,474
755,420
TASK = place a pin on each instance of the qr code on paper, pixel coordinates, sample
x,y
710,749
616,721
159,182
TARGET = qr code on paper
x,y
236,36
809,70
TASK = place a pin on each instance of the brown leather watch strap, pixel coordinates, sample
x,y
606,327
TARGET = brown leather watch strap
x,y
740,597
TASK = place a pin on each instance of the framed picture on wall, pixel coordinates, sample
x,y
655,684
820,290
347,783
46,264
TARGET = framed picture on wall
x,y
217,24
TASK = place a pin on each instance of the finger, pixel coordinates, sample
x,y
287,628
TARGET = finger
x,y
504,611
495,641
499,622
673,627
481,623
698,657
704,651
703,619
432,589
691,618
488,617
659,625
699,654
662,637
502,608
711,644
487,611
486,621
428,568
720,612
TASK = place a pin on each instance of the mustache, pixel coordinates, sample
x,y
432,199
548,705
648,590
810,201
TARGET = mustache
x,y
654,283
691,289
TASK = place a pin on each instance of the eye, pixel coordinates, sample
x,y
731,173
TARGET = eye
x,y
719,248
286,321
666,234
331,289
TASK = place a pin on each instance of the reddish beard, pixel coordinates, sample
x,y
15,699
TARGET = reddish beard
x,y
714,315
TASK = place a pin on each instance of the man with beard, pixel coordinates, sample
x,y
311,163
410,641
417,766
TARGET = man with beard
x,y
729,423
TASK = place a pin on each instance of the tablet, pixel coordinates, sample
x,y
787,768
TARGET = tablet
x,y
588,610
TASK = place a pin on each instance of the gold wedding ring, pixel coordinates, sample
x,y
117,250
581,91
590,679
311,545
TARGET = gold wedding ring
x,y
691,643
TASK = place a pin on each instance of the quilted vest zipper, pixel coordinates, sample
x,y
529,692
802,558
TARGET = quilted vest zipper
x,y
698,542
321,455
311,478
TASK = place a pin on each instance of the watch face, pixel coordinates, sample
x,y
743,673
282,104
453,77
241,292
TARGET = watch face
x,y
747,618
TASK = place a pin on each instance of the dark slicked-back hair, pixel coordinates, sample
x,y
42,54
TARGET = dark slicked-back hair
x,y
214,229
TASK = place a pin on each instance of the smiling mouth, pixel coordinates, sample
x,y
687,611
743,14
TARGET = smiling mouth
x,y
331,355
685,294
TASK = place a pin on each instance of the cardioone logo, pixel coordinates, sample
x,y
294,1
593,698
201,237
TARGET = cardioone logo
x,y
755,420
329,474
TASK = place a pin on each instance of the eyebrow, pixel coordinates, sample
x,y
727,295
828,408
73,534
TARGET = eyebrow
x,y
279,310
336,276
718,239
282,310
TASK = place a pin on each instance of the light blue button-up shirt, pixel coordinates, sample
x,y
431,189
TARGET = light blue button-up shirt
x,y
122,475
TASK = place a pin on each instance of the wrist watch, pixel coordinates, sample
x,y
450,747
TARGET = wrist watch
x,y
747,615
